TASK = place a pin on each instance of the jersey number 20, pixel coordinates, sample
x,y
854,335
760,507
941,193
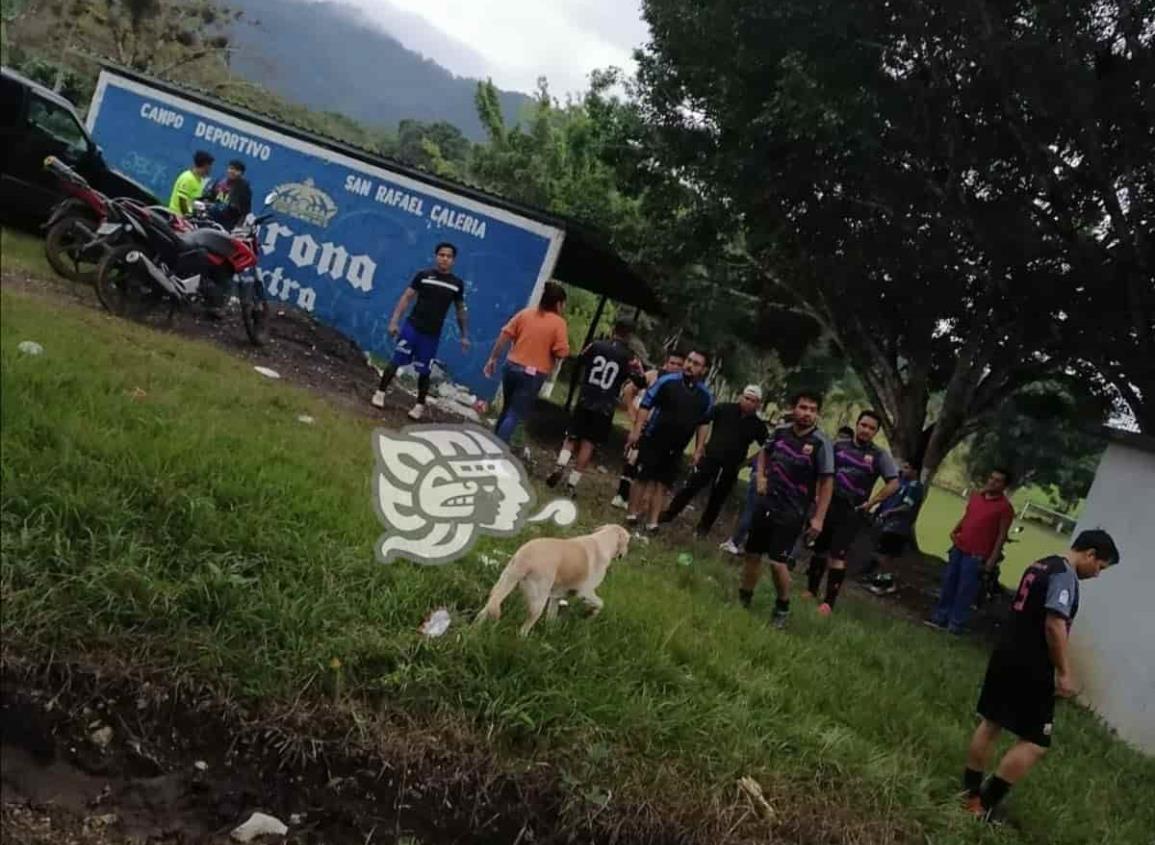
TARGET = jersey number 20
x,y
603,372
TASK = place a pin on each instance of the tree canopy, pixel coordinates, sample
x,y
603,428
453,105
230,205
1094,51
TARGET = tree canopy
x,y
955,192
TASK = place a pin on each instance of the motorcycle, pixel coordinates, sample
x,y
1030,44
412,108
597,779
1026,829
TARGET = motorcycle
x,y
161,268
84,225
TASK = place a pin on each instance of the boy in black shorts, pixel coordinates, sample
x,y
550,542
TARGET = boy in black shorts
x,y
858,464
794,471
606,365
675,409
1029,667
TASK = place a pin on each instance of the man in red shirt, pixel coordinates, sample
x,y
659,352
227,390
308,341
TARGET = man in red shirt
x,y
977,543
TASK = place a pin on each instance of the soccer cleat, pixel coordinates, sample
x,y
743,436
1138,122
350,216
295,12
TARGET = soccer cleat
x,y
619,503
417,411
652,530
571,491
632,520
824,609
554,477
730,548
378,400
778,620
931,623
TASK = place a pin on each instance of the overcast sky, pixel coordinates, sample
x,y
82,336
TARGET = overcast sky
x,y
516,41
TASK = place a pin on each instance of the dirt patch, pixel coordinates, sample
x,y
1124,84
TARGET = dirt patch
x,y
92,757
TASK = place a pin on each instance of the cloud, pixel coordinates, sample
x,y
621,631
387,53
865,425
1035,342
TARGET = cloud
x,y
516,41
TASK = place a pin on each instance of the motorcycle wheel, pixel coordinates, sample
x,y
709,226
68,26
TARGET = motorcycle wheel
x,y
127,291
61,244
255,315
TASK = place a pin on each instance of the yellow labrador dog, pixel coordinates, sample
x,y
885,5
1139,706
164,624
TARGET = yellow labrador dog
x,y
547,568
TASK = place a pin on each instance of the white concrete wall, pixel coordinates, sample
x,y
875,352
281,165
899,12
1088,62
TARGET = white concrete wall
x,y
1113,639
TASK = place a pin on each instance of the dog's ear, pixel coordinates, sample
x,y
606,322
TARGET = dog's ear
x,y
623,541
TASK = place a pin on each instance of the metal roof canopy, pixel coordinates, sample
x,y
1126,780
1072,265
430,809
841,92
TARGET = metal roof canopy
x,y
585,260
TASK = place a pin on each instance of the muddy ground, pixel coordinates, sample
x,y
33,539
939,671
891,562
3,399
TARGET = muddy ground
x,y
178,768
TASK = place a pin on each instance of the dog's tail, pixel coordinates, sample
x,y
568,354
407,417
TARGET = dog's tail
x,y
510,577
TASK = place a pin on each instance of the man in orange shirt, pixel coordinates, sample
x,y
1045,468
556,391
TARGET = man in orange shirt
x,y
540,337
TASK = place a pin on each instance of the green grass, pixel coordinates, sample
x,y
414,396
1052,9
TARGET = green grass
x,y
201,527
23,251
941,513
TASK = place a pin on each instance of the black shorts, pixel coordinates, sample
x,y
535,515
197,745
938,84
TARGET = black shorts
x,y
659,460
587,424
774,536
839,529
892,544
1019,699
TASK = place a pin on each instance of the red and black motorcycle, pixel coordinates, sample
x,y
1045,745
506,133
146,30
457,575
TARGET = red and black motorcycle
x,y
158,268
84,225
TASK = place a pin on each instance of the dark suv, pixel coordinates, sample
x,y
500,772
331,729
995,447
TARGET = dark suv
x,y
34,124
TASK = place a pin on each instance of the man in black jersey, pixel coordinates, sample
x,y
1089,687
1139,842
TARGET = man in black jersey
x,y
734,426
434,290
1029,667
605,366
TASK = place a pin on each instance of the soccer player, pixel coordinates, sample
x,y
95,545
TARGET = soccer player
x,y
977,543
189,186
896,516
794,473
606,365
1029,667
674,409
733,427
632,398
433,289
858,464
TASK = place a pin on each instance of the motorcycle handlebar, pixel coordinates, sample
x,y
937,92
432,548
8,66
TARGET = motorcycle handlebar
x,y
58,168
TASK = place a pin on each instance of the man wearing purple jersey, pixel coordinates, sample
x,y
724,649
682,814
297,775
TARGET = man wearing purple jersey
x,y
794,475
858,464
1029,667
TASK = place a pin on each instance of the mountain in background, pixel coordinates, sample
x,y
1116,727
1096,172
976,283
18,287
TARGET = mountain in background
x,y
334,57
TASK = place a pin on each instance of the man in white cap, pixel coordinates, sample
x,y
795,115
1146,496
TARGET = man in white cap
x,y
734,426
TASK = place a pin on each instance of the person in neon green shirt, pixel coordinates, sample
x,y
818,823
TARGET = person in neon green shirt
x,y
191,184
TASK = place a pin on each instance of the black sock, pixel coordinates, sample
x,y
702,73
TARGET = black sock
x,y
422,388
745,596
994,791
386,377
814,573
972,781
782,605
834,580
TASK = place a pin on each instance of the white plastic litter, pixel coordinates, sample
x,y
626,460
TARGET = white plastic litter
x,y
265,371
436,623
30,347
306,419
102,737
201,766
259,825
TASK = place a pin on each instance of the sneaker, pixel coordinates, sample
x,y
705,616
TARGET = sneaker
x,y
631,519
554,477
571,491
729,548
619,503
824,609
933,623
778,620
378,400
652,530
417,411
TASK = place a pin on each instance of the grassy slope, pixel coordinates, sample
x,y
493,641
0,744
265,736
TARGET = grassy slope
x,y
201,526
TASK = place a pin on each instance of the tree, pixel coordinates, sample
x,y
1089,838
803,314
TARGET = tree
x,y
592,160
1043,436
935,184
439,147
